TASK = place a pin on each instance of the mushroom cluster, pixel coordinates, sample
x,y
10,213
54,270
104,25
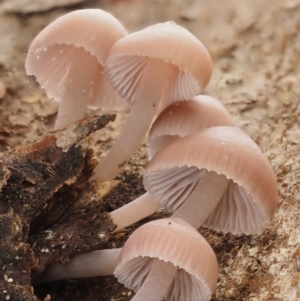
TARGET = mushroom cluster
x,y
201,168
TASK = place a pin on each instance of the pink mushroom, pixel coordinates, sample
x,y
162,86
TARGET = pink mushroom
x,y
163,258
184,118
67,60
151,68
178,120
218,178
168,259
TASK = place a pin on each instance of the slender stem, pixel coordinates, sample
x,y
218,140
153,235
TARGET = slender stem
x,y
134,211
203,200
77,87
71,108
97,263
126,144
195,209
157,282
150,93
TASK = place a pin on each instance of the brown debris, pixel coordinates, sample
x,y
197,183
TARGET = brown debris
x,y
41,220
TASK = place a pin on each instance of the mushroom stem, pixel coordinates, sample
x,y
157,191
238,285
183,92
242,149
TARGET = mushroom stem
x,y
74,101
96,263
150,92
134,211
158,281
68,111
211,187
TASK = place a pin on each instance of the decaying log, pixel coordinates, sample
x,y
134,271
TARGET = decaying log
x,y
48,210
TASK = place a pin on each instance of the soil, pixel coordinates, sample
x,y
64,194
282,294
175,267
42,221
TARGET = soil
x,y
255,46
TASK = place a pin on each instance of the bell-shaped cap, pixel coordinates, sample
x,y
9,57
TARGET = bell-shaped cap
x,y
184,118
250,200
170,240
169,43
82,39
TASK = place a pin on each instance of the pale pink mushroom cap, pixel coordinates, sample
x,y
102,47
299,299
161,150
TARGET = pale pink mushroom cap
x,y
150,69
170,240
170,43
83,37
184,118
250,200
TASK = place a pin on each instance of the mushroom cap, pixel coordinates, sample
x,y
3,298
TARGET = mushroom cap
x,y
84,37
184,118
169,43
250,199
171,240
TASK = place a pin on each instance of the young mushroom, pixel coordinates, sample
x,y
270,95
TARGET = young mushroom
x,y
151,68
184,118
218,178
67,60
163,258
168,259
178,120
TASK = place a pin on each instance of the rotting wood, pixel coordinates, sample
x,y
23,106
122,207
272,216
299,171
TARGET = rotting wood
x,y
41,219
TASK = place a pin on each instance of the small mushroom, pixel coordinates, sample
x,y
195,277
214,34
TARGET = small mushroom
x,y
151,68
178,120
203,178
217,178
184,118
168,259
67,60
165,257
